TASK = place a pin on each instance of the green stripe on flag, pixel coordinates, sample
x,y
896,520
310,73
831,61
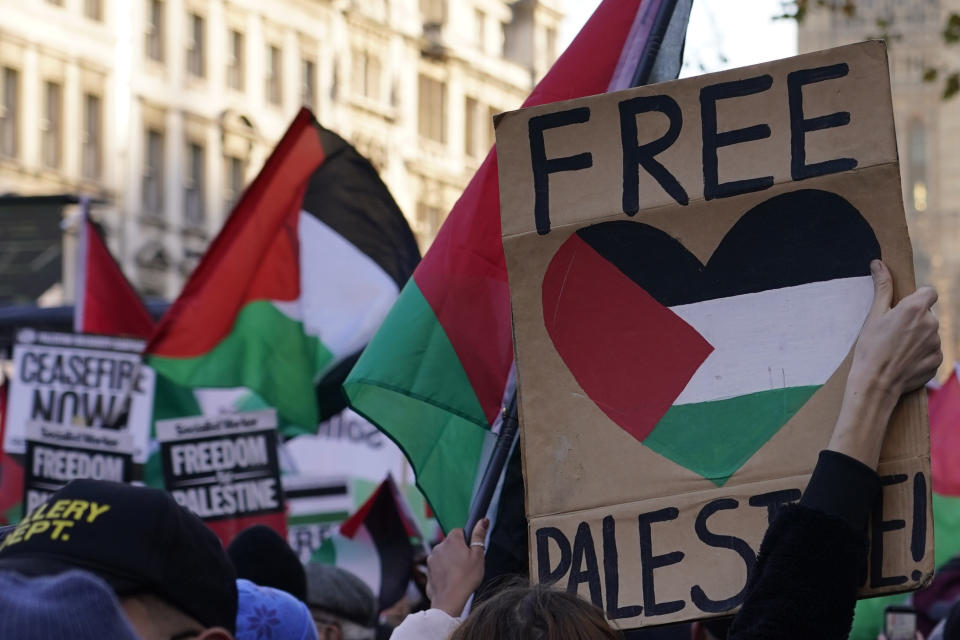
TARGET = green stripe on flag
x,y
266,351
410,382
715,438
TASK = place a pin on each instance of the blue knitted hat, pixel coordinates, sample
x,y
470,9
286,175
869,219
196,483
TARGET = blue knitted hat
x,y
264,612
75,604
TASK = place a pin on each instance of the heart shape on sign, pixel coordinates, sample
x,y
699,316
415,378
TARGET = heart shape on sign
x,y
703,364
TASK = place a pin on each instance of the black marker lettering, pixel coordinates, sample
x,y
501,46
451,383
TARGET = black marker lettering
x,y
799,126
918,541
712,140
611,574
542,167
583,550
636,156
649,562
774,500
544,573
878,527
697,594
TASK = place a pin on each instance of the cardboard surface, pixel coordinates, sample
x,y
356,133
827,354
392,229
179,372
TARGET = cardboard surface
x,y
695,349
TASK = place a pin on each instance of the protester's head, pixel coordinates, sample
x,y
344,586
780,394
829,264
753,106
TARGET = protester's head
x,y
342,606
261,555
167,568
535,613
264,612
74,604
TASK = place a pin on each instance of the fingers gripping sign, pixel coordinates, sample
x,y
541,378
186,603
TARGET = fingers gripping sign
x,y
455,569
898,351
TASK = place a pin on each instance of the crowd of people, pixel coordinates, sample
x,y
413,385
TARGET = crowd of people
x,y
104,560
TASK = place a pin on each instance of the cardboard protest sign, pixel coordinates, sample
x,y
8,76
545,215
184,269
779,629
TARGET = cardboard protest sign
x,y
225,469
689,271
57,454
79,380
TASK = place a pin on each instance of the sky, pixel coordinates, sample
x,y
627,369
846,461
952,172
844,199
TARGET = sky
x,y
723,34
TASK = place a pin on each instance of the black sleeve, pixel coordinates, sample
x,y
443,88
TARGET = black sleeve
x,y
812,558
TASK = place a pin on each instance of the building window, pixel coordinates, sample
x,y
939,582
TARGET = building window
x,y
193,200
308,84
52,124
92,137
236,66
551,43
918,167
433,111
93,9
480,22
471,118
428,221
155,30
236,170
365,74
274,70
433,11
195,54
153,173
9,112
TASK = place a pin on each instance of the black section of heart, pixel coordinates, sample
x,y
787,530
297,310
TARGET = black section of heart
x,y
791,239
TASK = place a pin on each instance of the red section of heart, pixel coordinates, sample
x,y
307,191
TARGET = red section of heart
x,y
631,355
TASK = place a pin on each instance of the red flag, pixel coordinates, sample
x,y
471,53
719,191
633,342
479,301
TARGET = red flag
x,y
105,301
944,406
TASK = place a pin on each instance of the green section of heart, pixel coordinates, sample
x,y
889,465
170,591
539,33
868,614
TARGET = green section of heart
x,y
715,438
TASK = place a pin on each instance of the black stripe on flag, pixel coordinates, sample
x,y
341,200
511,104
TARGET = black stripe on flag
x,y
791,239
384,522
347,195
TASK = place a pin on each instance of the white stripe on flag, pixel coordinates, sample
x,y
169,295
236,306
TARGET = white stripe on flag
x,y
344,294
789,337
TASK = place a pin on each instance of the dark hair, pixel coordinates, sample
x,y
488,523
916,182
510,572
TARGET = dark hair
x,y
262,556
535,613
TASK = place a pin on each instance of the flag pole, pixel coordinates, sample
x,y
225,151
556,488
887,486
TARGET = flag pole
x,y
510,427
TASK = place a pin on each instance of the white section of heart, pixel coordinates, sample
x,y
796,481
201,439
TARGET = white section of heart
x,y
790,337
344,294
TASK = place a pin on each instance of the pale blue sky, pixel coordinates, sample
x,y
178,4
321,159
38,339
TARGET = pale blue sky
x,y
723,33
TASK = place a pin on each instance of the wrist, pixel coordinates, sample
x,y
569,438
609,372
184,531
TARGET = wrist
x,y
452,604
861,425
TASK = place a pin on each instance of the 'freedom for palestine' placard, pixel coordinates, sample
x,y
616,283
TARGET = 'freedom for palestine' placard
x,y
223,467
57,454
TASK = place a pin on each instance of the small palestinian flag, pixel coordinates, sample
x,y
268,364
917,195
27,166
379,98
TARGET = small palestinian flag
x,y
295,284
377,544
724,352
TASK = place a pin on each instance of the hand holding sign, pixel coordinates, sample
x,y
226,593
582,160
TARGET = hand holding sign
x,y
898,351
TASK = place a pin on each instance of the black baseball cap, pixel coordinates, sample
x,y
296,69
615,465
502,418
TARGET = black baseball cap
x,y
139,540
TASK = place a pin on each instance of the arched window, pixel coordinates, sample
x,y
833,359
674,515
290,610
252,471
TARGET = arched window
x,y
917,170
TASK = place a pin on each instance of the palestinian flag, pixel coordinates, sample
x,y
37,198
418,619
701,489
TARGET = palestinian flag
x,y
377,544
740,343
944,409
436,374
294,285
105,302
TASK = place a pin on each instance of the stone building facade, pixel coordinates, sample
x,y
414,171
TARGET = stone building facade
x,y
927,126
164,109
